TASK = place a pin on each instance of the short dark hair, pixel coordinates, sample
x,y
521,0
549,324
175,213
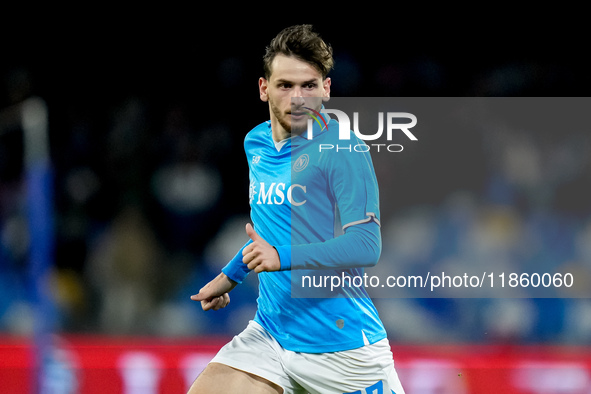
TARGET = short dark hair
x,y
302,42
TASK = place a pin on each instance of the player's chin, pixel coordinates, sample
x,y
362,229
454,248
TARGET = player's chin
x,y
297,127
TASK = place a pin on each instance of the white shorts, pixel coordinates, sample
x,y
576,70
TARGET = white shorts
x,y
366,370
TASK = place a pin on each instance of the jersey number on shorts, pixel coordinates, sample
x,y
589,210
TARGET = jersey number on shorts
x,y
377,388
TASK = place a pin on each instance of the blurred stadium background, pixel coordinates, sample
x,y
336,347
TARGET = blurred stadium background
x,y
148,192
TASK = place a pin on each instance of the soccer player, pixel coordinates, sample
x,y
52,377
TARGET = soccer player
x,y
294,344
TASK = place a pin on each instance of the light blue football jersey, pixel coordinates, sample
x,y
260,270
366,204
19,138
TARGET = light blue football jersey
x,y
296,195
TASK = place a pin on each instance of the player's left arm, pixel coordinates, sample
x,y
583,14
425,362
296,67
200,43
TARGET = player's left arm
x,y
353,183
359,246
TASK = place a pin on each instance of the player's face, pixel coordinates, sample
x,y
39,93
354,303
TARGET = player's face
x,y
293,85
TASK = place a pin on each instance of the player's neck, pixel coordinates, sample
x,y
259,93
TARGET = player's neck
x,y
278,132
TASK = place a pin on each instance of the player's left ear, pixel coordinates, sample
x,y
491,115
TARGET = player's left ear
x,y
263,85
326,86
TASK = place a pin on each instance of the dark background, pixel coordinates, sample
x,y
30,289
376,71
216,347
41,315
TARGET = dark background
x,y
133,94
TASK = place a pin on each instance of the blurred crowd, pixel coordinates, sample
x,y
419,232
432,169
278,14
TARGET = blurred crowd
x,y
151,201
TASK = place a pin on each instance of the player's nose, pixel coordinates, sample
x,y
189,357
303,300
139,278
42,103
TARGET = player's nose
x,y
297,100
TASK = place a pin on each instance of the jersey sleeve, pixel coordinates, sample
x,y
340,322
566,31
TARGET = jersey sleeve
x,y
352,180
236,269
360,246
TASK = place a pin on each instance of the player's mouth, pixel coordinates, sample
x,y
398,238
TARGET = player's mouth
x,y
298,115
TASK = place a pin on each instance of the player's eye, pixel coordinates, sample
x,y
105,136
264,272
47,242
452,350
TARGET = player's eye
x,y
284,85
310,85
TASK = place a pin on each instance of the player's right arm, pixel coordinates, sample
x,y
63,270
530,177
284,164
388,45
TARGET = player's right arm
x,y
214,295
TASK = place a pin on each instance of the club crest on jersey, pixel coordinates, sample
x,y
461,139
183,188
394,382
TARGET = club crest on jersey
x,y
301,163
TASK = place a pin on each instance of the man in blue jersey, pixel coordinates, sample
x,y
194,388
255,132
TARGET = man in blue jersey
x,y
294,344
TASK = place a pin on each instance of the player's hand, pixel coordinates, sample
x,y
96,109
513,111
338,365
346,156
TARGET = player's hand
x,y
214,295
259,255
